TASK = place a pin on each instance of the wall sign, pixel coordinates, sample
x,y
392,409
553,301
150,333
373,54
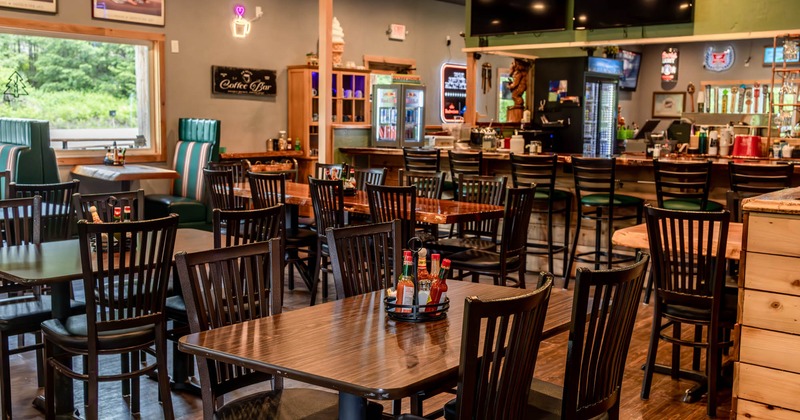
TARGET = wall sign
x,y
718,59
453,92
240,81
669,65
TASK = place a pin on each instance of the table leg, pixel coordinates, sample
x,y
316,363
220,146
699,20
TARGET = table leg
x,y
352,406
64,392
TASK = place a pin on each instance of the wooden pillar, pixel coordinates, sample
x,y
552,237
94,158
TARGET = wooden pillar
x,y
471,116
325,75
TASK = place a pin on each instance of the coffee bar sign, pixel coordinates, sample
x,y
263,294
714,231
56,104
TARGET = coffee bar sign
x,y
241,81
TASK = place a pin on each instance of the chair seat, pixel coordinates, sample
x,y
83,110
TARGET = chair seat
x,y
558,195
291,403
690,205
474,259
620,200
26,313
452,245
74,331
730,298
188,209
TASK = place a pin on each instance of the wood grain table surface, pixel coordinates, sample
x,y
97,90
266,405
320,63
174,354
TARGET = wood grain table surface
x,y
636,237
130,172
350,345
428,210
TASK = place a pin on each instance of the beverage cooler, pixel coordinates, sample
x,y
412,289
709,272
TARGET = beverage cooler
x,y
398,115
600,116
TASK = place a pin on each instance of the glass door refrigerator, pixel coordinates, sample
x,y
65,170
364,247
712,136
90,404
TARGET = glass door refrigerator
x,y
600,108
398,115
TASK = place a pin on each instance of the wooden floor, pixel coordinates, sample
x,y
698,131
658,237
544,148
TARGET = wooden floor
x,y
664,402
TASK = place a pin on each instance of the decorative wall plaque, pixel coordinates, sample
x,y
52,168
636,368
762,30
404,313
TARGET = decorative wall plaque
x,y
241,81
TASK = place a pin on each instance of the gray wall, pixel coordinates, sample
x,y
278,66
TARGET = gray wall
x,y
637,106
281,38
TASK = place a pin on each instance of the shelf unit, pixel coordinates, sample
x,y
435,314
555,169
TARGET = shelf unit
x,y
349,103
783,116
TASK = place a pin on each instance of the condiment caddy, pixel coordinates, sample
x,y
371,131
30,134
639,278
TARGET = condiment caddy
x,y
420,295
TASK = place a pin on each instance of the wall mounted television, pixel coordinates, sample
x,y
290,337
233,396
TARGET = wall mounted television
x,y
496,17
593,14
631,61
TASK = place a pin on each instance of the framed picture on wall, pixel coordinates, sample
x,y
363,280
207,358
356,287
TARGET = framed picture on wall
x,y
46,6
668,104
148,12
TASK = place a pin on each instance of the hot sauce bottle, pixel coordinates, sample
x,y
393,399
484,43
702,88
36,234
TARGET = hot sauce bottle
x,y
423,278
405,284
439,286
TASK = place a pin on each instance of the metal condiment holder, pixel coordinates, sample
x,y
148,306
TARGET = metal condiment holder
x,y
416,312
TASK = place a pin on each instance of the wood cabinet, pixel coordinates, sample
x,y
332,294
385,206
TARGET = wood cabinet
x,y
350,89
767,370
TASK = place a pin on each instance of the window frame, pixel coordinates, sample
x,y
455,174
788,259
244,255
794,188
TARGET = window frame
x,y
157,88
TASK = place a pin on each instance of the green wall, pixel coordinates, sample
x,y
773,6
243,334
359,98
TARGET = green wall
x,y
710,17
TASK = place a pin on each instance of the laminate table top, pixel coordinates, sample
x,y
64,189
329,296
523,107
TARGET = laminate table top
x,y
130,172
429,210
636,237
350,345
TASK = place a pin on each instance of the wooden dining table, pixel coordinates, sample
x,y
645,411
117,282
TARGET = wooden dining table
x,y
352,346
122,174
636,237
57,264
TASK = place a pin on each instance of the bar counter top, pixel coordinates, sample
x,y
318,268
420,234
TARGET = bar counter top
x,y
625,159
784,201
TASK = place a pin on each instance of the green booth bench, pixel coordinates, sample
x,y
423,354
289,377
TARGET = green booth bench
x,y
25,151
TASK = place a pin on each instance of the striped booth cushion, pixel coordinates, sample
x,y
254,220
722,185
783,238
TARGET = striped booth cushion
x,y
190,159
8,157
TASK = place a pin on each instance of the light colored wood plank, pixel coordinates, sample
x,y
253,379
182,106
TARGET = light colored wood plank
x,y
750,410
636,237
769,386
773,234
771,311
769,349
772,273
124,172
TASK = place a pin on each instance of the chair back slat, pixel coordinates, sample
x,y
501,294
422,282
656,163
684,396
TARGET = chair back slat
x,y
239,227
224,287
366,176
327,198
682,180
239,170
267,189
125,275
604,308
220,188
466,163
387,203
688,269
421,160
365,258
484,190
326,171
58,214
105,203
534,169
760,179
494,379
429,184
594,176
516,219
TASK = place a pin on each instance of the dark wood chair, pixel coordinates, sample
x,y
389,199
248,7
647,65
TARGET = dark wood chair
x,y
512,255
428,185
58,215
105,203
493,383
269,189
464,163
239,227
541,170
327,197
597,348
690,289
365,258
239,171
114,321
220,189
387,203
331,170
479,234
750,180
421,160
366,176
598,201
684,185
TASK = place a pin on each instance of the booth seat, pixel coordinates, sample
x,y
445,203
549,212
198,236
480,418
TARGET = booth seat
x,y
25,151
198,144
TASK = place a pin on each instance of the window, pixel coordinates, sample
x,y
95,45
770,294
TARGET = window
x,y
94,89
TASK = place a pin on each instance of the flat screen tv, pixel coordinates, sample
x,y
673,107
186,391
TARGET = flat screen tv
x,y
594,14
631,61
495,17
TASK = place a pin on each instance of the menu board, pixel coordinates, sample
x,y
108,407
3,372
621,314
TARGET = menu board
x,y
453,92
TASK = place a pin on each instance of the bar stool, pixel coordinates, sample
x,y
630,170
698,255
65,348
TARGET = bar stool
x,y
541,170
421,160
684,185
751,180
597,177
